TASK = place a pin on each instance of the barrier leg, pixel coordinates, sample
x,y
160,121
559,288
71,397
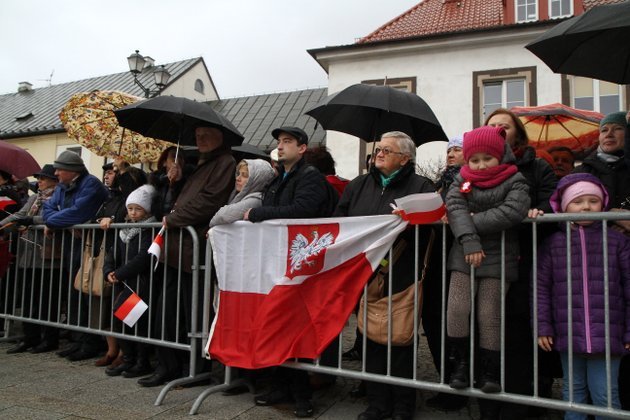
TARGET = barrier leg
x,y
225,386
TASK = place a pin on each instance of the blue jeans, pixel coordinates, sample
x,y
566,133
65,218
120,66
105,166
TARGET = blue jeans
x,y
589,377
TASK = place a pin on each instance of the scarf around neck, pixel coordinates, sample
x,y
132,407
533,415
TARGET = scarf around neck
x,y
490,177
608,157
42,196
127,234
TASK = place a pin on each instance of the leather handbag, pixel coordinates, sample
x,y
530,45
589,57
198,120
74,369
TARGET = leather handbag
x,y
90,275
402,309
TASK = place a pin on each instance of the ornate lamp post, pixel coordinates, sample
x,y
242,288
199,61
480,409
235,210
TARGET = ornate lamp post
x,y
160,74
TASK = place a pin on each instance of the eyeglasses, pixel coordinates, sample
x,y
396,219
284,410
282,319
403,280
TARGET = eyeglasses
x,y
386,151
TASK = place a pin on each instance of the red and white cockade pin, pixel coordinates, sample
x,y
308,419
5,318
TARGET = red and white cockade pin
x,y
466,187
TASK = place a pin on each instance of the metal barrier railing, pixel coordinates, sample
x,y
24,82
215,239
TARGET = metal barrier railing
x,y
63,307
348,370
39,288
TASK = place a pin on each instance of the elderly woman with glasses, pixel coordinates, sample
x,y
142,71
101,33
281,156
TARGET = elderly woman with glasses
x,y
392,176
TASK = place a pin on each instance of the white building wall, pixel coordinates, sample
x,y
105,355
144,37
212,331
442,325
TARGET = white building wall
x,y
444,72
185,85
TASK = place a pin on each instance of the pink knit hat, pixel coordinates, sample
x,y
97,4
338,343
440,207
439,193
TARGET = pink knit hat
x,y
486,139
579,189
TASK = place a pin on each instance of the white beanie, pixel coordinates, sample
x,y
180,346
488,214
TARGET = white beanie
x,y
142,196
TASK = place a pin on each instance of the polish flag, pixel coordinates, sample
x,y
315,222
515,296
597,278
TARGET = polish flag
x,y
128,307
156,246
288,286
421,208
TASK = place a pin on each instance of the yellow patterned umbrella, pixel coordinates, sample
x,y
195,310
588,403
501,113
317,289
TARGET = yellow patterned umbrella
x,y
88,117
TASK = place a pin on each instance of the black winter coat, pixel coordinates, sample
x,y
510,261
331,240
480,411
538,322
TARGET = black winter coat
x,y
540,177
615,176
365,196
130,260
303,193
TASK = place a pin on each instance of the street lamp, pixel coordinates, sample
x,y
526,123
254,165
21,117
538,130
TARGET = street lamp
x,y
160,74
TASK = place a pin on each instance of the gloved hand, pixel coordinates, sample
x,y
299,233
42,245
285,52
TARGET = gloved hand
x,y
25,221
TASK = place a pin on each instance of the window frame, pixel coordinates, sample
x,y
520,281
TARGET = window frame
x,y
570,13
480,78
536,12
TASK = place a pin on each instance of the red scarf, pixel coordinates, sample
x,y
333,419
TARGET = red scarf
x,y
490,177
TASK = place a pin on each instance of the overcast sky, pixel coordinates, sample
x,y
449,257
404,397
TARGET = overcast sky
x,y
249,46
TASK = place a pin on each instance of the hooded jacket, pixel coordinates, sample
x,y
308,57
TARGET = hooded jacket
x,y
250,197
587,285
614,175
494,210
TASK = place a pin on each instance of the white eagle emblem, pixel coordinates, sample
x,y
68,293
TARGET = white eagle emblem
x,y
302,250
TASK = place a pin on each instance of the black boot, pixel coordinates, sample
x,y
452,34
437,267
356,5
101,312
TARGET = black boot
x,y
459,359
129,361
489,378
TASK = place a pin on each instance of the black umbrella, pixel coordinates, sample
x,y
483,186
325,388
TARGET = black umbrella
x,y
367,111
594,44
247,151
175,119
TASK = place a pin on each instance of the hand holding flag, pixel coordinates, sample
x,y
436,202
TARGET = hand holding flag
x,y
129,307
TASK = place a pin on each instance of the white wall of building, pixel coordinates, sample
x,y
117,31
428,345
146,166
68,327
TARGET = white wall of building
x,y
444,72
185,85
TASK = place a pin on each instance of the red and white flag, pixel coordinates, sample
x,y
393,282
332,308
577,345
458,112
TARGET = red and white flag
x,y
421,208
288,286
129,307
156,246
6,202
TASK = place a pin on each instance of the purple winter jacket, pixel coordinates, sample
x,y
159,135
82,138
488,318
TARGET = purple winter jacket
x,y
587,275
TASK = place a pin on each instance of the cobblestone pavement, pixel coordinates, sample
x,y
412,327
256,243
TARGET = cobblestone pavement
x,y
45,386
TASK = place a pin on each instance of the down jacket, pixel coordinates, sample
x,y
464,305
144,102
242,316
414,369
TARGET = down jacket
x,y
494,210
587,275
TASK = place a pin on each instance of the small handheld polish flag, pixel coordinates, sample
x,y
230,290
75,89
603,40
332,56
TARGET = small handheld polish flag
x,y
128,307
156,247
421,208
6,202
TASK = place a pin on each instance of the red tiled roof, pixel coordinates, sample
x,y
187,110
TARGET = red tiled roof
x,y
438,16
430,17
589,4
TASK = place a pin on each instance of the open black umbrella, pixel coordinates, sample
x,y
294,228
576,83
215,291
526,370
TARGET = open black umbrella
x,y
367,111
175,119
594,44
247,151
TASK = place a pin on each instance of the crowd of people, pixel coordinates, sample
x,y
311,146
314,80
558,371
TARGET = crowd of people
x,y
492,182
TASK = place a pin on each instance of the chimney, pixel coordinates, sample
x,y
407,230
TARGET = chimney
x,y
149,62
25,87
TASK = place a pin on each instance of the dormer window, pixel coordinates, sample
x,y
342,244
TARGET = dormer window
x,y
526,11
560,8
199,87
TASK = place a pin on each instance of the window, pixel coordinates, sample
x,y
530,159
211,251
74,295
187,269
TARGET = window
x,y
596,95
503,94
80,150
199,87
526,11
503,88
560,8
404,83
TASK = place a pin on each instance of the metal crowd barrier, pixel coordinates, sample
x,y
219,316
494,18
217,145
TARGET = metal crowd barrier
x,y
349,370
41,291
61,306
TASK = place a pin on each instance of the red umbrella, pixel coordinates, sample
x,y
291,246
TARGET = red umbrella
x,y
17,161
560,125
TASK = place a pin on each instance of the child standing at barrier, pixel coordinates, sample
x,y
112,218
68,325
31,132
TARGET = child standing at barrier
x,y
128,261
579,193
488,197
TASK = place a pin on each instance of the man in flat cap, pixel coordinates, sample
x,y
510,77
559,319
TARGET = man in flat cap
x,y
299,190
76,199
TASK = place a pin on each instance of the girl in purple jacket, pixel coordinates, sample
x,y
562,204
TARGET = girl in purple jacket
x,y
578,193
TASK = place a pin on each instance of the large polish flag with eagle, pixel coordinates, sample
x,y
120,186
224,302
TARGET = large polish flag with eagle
x,y
287,286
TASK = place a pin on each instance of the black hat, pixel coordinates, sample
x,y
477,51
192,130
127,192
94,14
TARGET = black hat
x,y
48,171
108,166
296,132
69,161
